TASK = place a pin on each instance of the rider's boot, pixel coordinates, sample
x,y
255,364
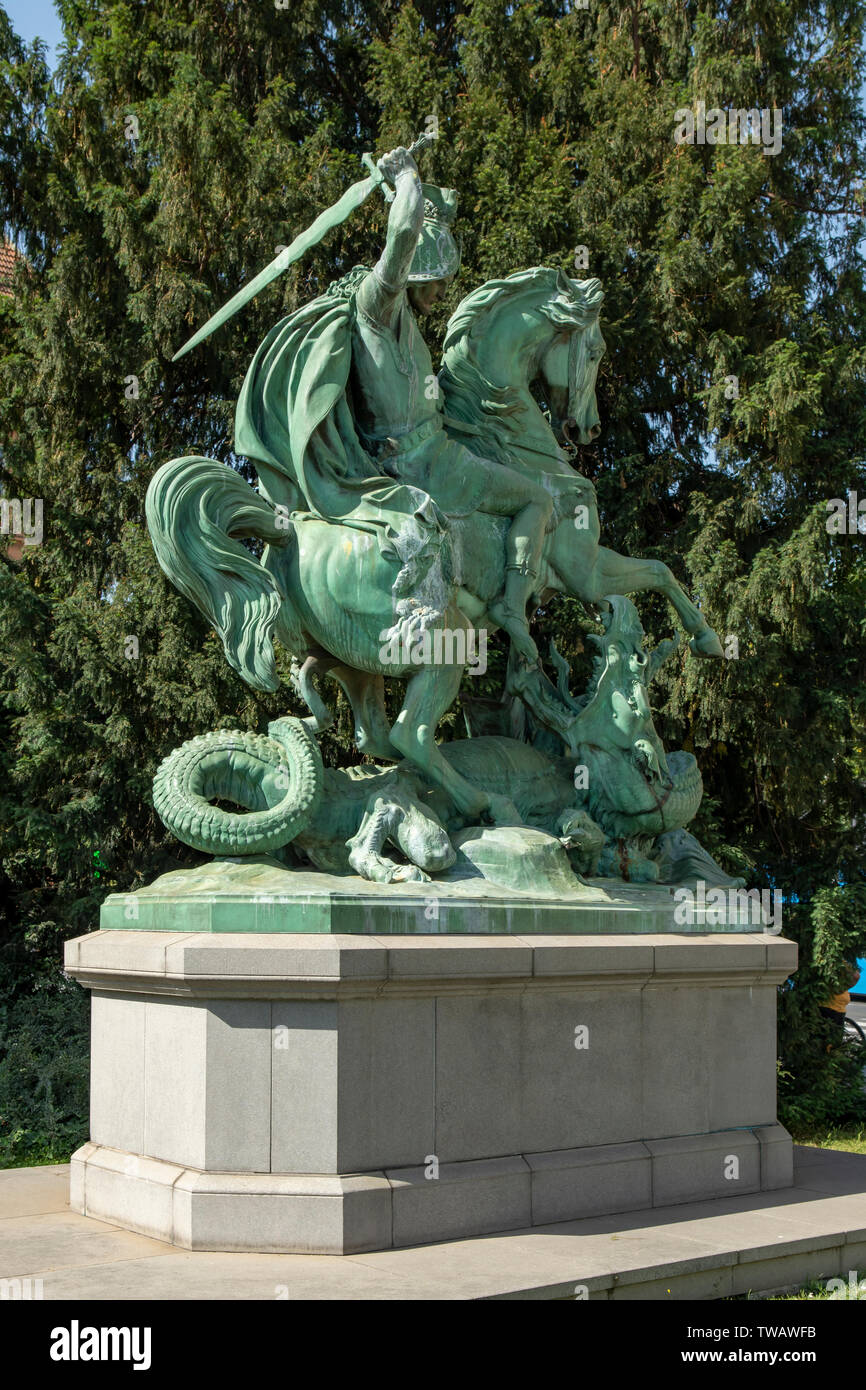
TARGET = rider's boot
x,y
523,547
509,610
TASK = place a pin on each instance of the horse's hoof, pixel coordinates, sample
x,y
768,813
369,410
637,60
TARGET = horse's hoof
x,y
707,644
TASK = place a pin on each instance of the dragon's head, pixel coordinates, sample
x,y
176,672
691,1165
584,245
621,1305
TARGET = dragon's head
x,y
616,712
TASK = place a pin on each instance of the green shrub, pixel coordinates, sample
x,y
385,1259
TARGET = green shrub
x,y
44,1066
821,1082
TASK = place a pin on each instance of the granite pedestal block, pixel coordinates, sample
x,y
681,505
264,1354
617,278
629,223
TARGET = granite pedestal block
x,y
342,1093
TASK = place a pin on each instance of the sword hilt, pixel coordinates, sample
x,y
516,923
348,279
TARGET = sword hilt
x,y
369,162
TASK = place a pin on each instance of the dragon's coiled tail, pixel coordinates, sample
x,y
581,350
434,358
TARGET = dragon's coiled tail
x,y
278,778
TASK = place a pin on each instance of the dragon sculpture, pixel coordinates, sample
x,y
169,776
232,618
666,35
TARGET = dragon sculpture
x,y
616,802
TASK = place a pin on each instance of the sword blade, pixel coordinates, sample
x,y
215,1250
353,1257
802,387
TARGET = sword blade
x,y
331,217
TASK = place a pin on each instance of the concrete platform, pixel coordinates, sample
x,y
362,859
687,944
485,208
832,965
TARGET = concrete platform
x,y
339,1094
702,1250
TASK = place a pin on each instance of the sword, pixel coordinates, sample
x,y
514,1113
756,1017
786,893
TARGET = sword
x,y
331,217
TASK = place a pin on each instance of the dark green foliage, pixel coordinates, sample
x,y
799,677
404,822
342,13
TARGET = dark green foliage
x,y
44,1065
820,1076
557,130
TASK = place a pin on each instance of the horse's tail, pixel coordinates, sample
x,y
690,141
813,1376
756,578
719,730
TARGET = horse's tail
x,y
195,509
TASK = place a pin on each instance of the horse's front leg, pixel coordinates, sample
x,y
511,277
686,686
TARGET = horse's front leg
x,y
428,695
619,574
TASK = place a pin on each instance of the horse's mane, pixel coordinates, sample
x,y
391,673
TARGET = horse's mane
x,y
571,303
469,394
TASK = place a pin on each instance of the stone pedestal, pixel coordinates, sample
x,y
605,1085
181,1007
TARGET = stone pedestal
x,y
337,1094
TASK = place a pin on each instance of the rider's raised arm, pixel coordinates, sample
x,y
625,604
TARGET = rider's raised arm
x,y
381,290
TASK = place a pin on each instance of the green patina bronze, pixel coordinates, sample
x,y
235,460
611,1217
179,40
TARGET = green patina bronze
x,y
402,514
607,807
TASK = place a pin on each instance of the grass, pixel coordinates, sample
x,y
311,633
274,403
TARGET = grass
x,y
816,1289
25,1149
850,1138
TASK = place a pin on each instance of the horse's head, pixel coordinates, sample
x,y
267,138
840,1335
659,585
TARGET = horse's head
x,y
568,363
535,325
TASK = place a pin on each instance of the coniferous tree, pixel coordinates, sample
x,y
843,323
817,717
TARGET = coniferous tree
x,y
181,143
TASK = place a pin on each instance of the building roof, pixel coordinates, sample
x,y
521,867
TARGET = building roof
x,y
8,257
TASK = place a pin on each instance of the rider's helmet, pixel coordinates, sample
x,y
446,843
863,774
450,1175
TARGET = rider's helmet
x,y
437,255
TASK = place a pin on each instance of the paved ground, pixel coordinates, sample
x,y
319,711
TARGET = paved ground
x,y
857,1012
702,1250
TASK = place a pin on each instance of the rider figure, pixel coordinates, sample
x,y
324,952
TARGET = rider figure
x,y
402,428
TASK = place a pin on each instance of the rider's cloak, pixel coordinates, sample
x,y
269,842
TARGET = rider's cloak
x,y
294,421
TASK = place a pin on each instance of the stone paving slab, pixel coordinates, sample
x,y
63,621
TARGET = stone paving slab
x,y
701,1250
26,1191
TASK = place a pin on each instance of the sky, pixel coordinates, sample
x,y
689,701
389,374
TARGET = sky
x,y
32,19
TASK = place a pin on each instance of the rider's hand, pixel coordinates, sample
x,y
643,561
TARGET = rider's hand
x,y
397,162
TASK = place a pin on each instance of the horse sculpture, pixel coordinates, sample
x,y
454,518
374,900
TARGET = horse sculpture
x,y
327,592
